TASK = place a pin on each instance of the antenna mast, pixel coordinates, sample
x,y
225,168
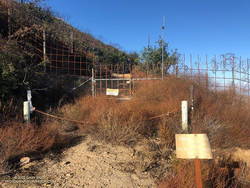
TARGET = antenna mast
x,y
162,47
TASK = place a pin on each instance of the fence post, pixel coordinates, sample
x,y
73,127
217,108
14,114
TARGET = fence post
x,y
130,81
72,42
9,20
233,76
184,115
93,83
26,111
44,49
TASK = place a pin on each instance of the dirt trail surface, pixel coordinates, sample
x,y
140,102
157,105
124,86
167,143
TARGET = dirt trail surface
x,y
88,164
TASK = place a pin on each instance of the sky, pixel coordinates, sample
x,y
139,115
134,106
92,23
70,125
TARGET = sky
x,y
204,27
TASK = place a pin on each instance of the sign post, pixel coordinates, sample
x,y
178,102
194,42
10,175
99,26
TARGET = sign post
x,y
198,179
193,146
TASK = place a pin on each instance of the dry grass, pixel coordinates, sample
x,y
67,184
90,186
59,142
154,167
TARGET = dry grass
x,y
17,139
222,115
214,175
127,122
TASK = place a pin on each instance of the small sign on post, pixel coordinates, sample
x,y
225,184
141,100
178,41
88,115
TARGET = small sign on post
x,y
113,92
193,146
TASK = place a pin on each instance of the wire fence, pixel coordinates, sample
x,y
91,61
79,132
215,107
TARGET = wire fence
x,y
219,73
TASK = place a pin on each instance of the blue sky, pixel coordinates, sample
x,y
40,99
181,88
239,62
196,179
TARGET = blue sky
x,y
192,26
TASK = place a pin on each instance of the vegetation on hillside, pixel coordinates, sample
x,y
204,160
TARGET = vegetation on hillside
x,y
21,58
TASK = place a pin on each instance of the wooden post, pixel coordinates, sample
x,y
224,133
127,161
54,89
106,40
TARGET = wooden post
x,y
184,115
198,180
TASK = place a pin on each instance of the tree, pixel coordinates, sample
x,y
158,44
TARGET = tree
x,y
134,58
152,58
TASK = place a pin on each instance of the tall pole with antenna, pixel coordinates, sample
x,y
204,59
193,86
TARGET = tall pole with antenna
x,y
162,48
147,63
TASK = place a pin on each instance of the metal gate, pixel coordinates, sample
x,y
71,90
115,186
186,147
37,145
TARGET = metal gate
x,y
106,77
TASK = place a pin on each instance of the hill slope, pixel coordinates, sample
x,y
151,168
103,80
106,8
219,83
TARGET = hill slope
x,y
35,42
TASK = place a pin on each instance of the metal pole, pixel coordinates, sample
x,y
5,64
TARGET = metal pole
x,y
9,32
162,53
92,83
248,95
162,74
240,78
207,76
44,49
147,63
72,42
215,70
233,66
130,82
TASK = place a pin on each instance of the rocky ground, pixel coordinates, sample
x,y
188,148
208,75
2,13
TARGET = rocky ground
x,y
85,162
88,164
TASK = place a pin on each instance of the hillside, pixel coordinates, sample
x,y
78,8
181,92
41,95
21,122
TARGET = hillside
x,y
36,46
23,19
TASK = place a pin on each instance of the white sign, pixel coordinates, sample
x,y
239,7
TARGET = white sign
x,y
113,92
193,146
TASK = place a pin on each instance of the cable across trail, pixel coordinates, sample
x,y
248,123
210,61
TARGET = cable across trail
x,y
81,122
57,117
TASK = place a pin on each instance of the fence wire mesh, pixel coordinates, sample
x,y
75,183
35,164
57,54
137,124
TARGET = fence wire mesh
x,y
219,73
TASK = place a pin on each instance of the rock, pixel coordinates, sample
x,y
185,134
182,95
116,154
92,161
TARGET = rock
x,y
24,161
69,174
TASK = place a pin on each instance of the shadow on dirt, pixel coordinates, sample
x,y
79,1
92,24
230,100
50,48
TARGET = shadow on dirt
x,y
55,153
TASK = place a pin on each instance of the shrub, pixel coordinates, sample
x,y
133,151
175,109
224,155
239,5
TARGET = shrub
x,y
153,98
213,175
18,139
